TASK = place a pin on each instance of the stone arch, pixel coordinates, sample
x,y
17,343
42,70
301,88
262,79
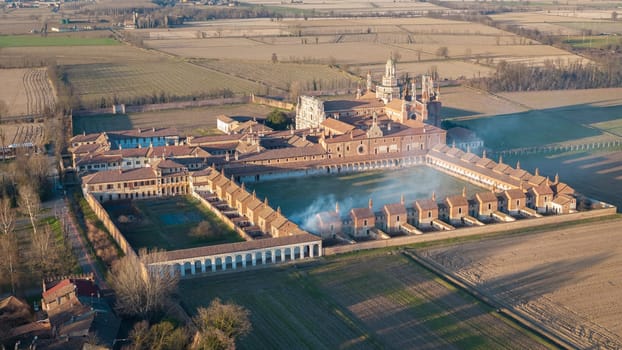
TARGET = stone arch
x,y
207,264
258,258
298,250
278,255
218,263
228,260
316,249
287,251
187,268
248,257
237,259
176,268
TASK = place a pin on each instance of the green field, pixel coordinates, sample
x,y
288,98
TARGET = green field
x,y
594,42
167,223
52,40
149,81
547,126
369,300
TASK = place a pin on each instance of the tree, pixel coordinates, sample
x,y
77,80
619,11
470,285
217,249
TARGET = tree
x,y
160,336
142,291
29,203
219,325
442,51
275,59
8,241
614,16
277,120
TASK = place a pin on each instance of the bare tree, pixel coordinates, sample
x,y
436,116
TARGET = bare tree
x,y
142,290
160,336
8,241
442,51
220,325
44,250
30,204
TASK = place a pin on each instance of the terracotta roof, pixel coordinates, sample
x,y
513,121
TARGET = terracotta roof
x,y
337,125
537,180
515,193
225,118
327,217
87,148
61,289
426,204
562,200
519,174
131,152
485,197
395,104
501,168
395,208
98,159
362,213
457,201
213,139
485,162
356,134
169,164
86,137
289,152
470,157
178,151
562,188
120,175
455,152
241,246
542,190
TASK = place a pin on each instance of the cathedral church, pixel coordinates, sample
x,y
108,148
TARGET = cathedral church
x,y
392,98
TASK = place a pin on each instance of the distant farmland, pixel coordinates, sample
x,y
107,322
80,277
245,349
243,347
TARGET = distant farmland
x,y
360,301
26,91
52,40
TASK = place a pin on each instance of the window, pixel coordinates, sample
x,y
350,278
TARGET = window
x,y
429,214
459,210
489,206
398,218
364,222
518,202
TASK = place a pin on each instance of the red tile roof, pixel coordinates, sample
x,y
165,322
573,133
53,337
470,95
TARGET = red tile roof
x,y
108,176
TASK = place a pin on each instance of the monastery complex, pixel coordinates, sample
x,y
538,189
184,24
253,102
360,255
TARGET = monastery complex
x,y
387,126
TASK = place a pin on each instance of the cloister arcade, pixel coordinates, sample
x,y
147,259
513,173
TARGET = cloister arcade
x,y
242,259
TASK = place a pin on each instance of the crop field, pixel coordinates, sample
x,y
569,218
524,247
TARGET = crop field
x,y
26,91
364,43
568,279
368,300
283,75
22,133
53,40
166,223
351,7
559,22
94,82
195,121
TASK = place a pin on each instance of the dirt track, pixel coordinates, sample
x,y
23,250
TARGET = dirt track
x,y
567,280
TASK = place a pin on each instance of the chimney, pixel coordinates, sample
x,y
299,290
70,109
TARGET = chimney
x,y
464,191
537,173
433,196
518,164
337,207
484,155
402,199
371,203
556,181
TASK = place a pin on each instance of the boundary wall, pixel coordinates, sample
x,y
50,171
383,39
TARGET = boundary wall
x,y
471,231
102,215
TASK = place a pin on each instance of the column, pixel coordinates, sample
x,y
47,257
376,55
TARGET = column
x,y
273,255
310,250
214,265
183,270
224,263
263,257
192,268
254,258
244,261
292,253
203,265
234,261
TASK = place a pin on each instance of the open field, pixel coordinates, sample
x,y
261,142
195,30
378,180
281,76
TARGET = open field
x,y
128,81
26,91
363,42
24,133
559,22
567,280
53,40
167,223
195,121
282,75
360,301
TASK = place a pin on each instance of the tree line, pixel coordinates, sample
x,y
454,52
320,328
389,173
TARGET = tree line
x,y
551,76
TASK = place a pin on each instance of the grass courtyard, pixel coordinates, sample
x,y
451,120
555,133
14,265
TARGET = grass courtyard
x,y
366,300
167,223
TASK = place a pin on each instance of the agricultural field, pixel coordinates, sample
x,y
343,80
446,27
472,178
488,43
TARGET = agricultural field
x,y
367,300
563,22
567,280
128,81
282,76
53,40
359,43
26,91
194,121
167,223
22,133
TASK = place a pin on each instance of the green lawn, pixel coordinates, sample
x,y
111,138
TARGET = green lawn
x,y
364,300
52,40
545,127
167,223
